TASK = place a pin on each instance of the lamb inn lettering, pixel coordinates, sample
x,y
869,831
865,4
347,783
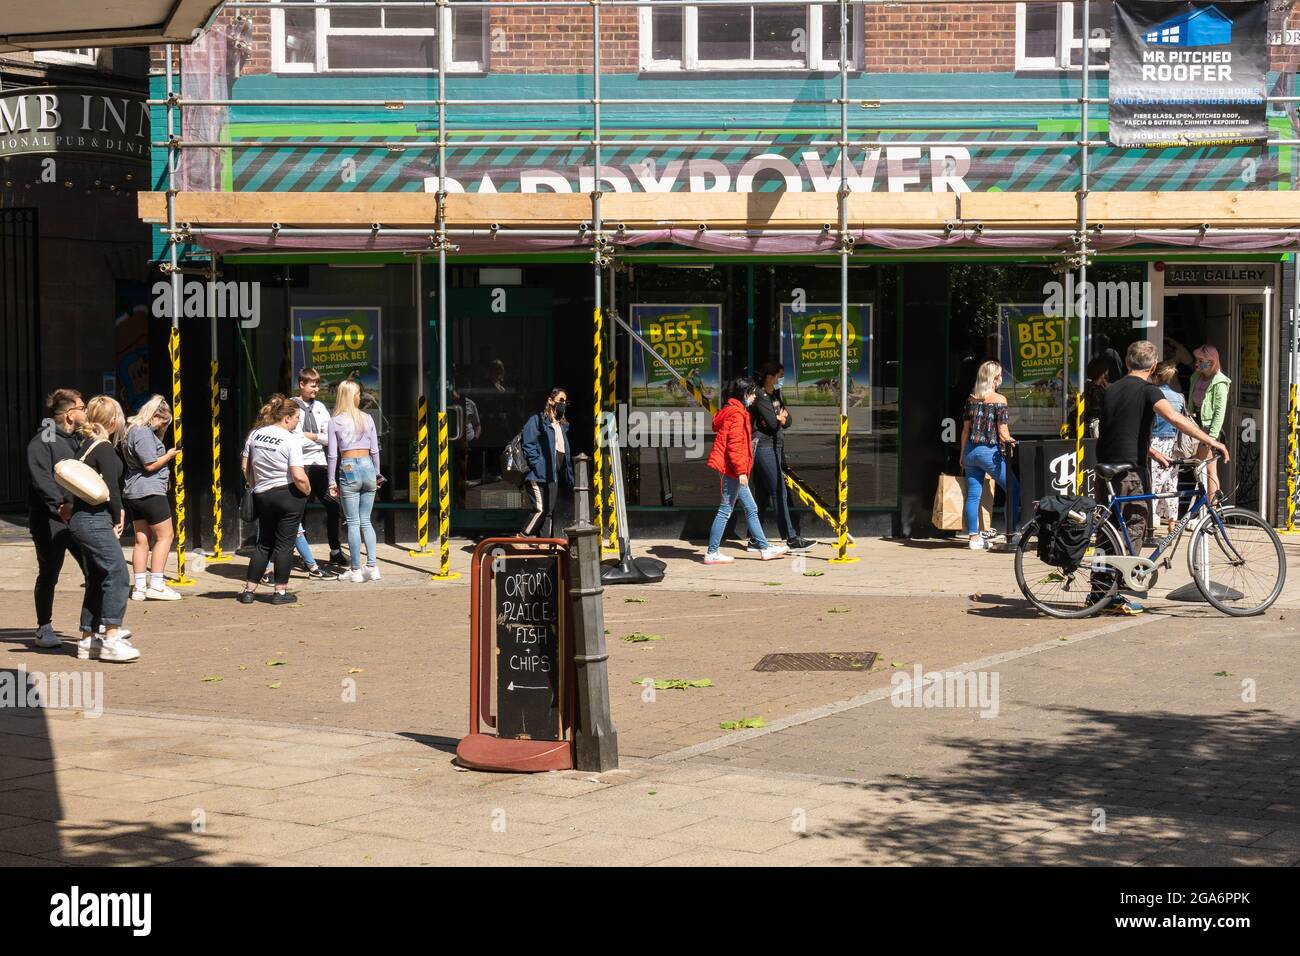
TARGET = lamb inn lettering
x,y
73,119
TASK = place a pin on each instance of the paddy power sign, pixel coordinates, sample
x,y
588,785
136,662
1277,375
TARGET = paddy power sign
x,y
1187,74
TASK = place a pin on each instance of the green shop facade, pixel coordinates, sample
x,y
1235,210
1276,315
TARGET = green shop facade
x,y
519,321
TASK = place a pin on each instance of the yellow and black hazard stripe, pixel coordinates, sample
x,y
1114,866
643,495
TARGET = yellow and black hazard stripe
x,y
598,406
1078,444
611,501
174,351
1291,460
444,571
422,478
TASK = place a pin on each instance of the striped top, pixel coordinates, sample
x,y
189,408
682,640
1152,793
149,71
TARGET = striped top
x,y
984,418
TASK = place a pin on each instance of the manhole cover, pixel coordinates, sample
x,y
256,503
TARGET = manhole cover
x,y
819,661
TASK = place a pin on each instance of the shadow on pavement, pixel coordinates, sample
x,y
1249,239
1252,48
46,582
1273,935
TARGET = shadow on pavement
x,y
1154,782
444,744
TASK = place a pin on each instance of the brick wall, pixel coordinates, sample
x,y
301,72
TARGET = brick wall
x,y
936,38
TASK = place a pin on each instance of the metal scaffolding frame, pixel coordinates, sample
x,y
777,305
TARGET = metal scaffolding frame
x,y
1075,248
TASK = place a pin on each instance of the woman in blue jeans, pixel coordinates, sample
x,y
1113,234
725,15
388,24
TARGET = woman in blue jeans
x,y
353,469
983,433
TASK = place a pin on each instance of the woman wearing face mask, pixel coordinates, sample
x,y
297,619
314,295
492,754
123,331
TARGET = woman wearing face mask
x,y
1208,400
733,457
983,433
545,441
770,419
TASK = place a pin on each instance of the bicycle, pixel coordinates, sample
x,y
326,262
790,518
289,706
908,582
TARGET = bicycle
x,y
1235,557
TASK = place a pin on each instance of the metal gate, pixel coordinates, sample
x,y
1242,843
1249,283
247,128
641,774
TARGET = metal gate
x,y
20,368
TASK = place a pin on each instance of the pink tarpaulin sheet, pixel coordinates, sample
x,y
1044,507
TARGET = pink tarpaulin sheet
x,y
722,241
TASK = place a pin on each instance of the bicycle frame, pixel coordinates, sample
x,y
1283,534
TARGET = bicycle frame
x,y
1199,502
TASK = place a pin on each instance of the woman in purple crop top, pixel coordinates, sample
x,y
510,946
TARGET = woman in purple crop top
x,y
352,463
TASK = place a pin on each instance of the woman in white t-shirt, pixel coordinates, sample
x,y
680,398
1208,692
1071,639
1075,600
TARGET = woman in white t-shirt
x,y
273,465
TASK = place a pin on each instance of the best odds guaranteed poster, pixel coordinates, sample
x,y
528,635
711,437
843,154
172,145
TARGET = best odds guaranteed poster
x,y
687,336
340,342
810,352
1032,350
1188,73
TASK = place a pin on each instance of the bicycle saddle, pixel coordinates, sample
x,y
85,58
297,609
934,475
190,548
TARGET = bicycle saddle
x,y
1109,472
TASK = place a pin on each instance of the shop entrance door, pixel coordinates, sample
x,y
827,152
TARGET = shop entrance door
x,y
1238,324
499,353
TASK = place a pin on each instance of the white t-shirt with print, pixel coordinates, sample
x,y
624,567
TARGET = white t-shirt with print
x,y
314,418
274,451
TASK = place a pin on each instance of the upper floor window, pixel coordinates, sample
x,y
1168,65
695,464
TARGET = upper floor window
x,y
742,37
74,56
375,40
1049,36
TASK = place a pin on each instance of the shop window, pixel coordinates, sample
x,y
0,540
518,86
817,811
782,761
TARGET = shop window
x,y
1049,36
742,37
375,40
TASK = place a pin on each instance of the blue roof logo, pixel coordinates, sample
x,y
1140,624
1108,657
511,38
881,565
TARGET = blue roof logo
x,y
1202,27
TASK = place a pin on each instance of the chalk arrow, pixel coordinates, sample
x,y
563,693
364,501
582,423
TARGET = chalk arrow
x,y
513,686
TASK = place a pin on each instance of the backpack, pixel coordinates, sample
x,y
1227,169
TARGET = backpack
x,y
1063,540
514,466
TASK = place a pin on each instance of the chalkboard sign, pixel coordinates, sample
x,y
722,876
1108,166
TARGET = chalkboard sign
x,y
530,679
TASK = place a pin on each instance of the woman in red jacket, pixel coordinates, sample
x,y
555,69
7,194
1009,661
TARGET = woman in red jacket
x,y
733,456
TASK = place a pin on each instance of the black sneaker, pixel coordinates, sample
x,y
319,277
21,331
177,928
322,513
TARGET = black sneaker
x,y
268,578
300,565
336,557
283,597
800,544
246,597
316,574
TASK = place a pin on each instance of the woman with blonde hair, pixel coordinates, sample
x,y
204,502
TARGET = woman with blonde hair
x,y
984,431
145,491
1208,400
98,531
352,468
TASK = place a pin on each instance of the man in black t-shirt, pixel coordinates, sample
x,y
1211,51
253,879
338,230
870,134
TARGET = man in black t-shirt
x,y
1128,408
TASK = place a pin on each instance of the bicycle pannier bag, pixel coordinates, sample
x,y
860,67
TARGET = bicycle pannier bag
x,y
1062,538
74,475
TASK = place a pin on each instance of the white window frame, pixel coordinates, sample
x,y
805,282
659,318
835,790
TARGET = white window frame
x,y
80,56
1066,43
690,60
324,31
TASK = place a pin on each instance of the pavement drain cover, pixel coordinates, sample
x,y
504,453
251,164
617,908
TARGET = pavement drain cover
x,y
819,661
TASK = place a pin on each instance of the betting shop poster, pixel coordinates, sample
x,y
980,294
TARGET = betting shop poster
x,y
1033,353
687,338
340,343
810,352
1188,73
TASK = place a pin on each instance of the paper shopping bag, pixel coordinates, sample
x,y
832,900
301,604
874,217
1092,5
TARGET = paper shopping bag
x,y
949,499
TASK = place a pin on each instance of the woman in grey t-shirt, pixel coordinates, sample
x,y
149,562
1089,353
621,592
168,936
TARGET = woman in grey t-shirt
x,y
145,496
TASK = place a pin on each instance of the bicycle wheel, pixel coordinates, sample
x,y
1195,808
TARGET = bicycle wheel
x,y
1240,569
1060,593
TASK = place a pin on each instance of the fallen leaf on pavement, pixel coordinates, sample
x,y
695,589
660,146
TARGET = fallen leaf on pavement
x,y
633,600
639,638
213,679
355,670
837,610
675,683
897,663
813,574
276,663
745,723
275,686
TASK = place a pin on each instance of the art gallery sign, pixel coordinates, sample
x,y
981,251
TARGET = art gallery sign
x,y
74,119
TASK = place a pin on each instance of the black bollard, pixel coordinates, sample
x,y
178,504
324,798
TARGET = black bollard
x,y
595,741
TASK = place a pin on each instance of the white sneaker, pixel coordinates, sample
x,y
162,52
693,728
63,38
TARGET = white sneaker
x,y
978,543
163,593
713,557
119,650
352,577
88,648
46,637
774,552
137,594
371,572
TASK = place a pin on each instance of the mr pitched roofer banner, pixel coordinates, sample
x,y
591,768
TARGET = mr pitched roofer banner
x,y
1188,73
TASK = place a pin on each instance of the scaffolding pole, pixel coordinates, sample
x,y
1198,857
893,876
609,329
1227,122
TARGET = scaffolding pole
x,y
598,259
444,572
1083,273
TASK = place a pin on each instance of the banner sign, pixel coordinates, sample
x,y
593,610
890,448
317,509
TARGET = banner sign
x,y
687,336
1033,353
1188,73
340,342
810,352
74,119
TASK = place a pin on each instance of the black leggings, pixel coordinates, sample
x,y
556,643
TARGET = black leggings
x,y
768,472
279,512
318,475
